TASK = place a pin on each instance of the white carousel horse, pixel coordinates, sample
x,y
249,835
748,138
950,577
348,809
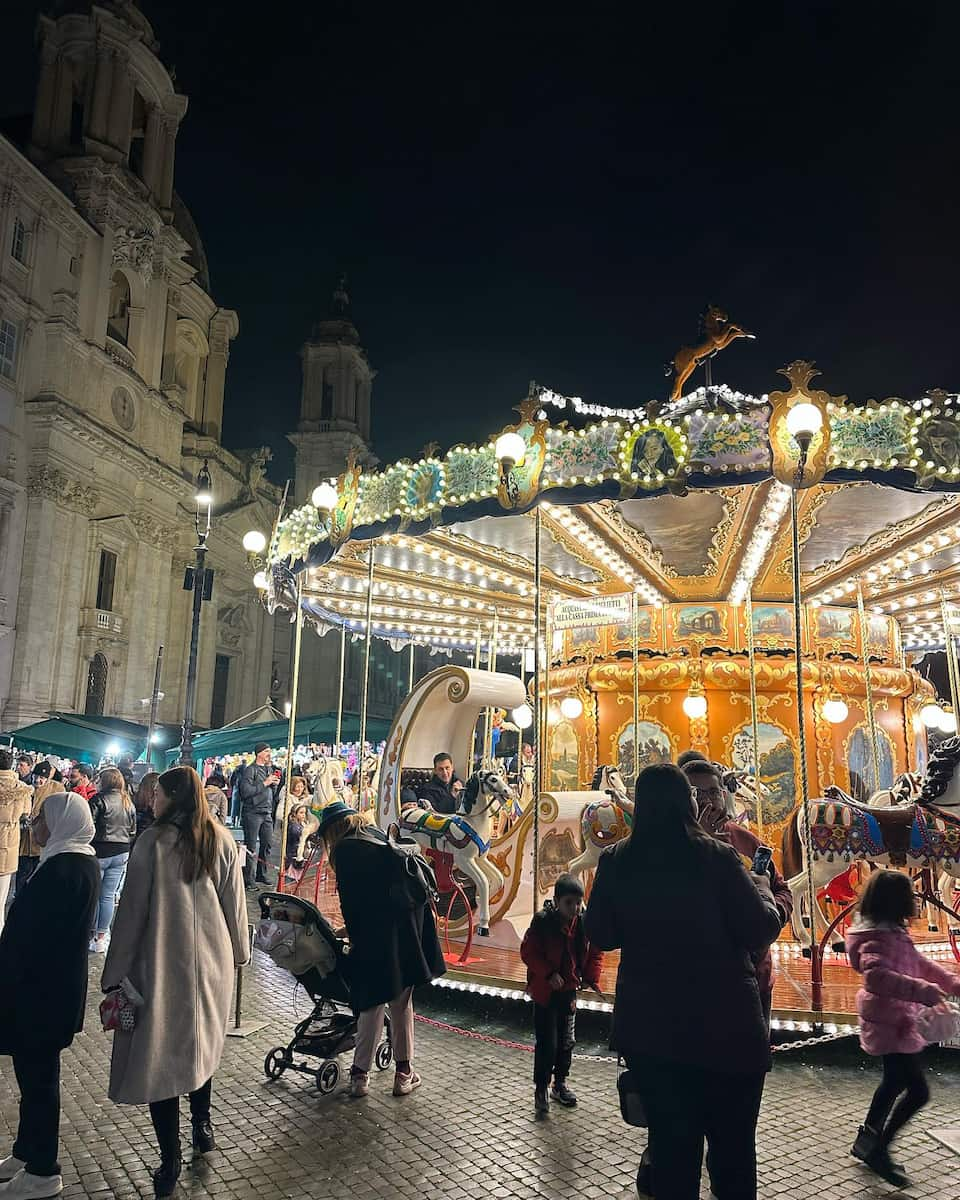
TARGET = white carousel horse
x,y
366,781
465,835
328,782
921,835
603,822
528,783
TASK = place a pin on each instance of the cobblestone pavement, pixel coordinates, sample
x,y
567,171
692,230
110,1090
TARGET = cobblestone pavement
x,y
469,1132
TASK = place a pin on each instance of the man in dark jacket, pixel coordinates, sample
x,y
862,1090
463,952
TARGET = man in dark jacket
x,y
256,811
442,790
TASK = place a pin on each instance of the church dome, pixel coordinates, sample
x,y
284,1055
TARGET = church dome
x,y
184,224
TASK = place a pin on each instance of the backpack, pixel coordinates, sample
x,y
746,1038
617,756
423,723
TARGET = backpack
x,y
412,882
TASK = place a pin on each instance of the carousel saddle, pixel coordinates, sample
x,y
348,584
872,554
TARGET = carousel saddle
x,y
896,829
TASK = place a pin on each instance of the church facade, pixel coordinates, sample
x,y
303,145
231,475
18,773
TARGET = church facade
x,y
113,358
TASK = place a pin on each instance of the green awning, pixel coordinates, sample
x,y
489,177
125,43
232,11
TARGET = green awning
x,y
322,727
86,741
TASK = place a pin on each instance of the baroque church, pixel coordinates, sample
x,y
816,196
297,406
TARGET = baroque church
x,y
113,362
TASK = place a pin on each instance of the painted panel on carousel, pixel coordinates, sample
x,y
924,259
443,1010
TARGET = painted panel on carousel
x,y
557,850
773,626
858,753
881,639
620,637
651,454
654,747
722,442
583,642
582,453
836,627
425,489
564,758
382,496
778,768
699,621
936,442
872,436
472,472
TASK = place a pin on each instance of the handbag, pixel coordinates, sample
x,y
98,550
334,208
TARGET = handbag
x,y
118,1008
631,1104
939,1023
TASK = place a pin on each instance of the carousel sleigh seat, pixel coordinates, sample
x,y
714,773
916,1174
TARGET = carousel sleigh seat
x,y
414,779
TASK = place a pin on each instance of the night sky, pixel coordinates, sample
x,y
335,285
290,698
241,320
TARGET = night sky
x,y
553,192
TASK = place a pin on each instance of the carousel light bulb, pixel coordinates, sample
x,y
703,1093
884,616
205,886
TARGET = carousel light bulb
x,y
835,710
260,581
522,717
948,722
804,421
695,705
324,497
510,450
930,715
254,542
571,707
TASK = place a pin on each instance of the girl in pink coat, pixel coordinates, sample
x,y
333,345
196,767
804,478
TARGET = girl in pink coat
x,y
897,982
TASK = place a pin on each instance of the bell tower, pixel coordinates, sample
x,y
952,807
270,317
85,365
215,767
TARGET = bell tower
x,y
334,399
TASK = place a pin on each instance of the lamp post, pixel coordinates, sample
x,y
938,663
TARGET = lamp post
x,y
199,580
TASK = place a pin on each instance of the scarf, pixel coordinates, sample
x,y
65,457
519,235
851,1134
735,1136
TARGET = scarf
x,y
71,826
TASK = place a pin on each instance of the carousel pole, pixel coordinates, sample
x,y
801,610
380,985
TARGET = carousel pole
x,y
491,666
950,651
871,714
476,667
365,689
343,660
635,634
816,981
291,730
755,725
410,680
538,708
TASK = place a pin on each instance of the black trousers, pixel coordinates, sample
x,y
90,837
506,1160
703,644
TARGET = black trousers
x,y
38,1134
903,1077
165,1115
686,1105
554,1025
258,838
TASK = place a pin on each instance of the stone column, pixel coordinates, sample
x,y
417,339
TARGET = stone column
x,y
121,105
46,95
212,407
102,85
168,366
165,189
62,105
153,149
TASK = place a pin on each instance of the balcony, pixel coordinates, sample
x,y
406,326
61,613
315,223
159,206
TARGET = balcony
x,y
101,623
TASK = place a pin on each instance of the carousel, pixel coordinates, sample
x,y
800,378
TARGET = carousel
x,y
758,578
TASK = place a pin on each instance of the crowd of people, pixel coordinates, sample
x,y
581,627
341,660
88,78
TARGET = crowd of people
x,y
697,1048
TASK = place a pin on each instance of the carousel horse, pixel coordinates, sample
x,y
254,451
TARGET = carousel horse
x,y
366,780
465,835
924,835
328,782
528,784
603,822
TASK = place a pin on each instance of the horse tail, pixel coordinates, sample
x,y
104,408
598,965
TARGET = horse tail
x,y
790,846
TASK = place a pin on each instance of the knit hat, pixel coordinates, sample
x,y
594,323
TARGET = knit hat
x,y
567,885
333,812
260,747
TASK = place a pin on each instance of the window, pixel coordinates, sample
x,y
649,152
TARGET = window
x,y
326,402
96,686
8,348
76,123
106,579
221,679
118,316
18,242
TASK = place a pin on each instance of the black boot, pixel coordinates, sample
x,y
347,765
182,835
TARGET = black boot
x,y
645,1176
203,1139
869,1144
166,1176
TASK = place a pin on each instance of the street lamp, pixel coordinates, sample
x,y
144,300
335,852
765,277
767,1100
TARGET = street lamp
x,y
199,580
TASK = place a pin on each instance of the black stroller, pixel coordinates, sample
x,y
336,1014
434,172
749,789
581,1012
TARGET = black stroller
x,y
296,936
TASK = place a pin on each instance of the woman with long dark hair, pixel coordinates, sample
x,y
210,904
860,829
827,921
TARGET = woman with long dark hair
x,y
179,934
687,1017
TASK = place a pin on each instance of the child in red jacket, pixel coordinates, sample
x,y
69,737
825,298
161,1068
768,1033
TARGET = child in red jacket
x,y
559,961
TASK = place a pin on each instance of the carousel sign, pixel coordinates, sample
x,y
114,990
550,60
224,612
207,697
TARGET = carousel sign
x,y
582,614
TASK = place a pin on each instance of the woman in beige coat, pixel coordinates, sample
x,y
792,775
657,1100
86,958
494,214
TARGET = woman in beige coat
x,y
178,936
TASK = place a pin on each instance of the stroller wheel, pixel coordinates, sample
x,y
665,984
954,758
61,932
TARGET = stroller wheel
x,y
384,1056
328,1076
276,1062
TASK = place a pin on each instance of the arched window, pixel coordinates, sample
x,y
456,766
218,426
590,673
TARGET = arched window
x,y
118,315
96,686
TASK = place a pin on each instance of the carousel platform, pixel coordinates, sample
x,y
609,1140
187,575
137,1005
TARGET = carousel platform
x,y
498,970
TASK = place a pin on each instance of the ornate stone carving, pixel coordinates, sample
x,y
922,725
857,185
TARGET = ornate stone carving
x,y
134,249
50,483
154,532
232,624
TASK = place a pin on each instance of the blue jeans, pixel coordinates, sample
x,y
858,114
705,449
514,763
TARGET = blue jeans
x,y
112,872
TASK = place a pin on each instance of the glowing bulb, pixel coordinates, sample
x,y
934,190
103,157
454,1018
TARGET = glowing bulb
x,y
695,705
522,717
254,542
510,450
835,710
948,722
804,420
571,707
930,715
324,497
260,581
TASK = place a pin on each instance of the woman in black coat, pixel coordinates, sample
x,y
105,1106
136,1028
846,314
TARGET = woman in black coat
x,y
392,950
43,984
687,1017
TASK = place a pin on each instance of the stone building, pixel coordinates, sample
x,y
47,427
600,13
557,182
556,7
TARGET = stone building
x,y
113,355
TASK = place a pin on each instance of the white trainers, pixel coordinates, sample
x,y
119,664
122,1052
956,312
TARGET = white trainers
x,y
359,1085
24,1186
403,1085
100,943
9,1167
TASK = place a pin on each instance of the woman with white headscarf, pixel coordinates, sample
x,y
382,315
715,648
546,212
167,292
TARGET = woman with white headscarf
x,y
43,986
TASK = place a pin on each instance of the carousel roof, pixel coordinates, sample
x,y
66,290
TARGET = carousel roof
x,y
689,504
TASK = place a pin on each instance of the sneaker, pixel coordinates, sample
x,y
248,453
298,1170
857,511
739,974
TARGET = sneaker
x,y
9,1167
100,943
24,1186
403,1085
562,1094
359,1084
540,1102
